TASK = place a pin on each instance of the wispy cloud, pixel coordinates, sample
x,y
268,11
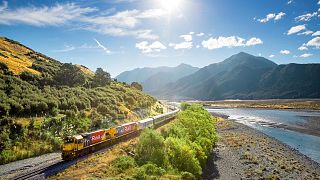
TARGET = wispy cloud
x,y
286,52
307,32
102,47
122,23
66,48
306,17
272,56
271,16
231,41
305,55
296,29
43,16
290,1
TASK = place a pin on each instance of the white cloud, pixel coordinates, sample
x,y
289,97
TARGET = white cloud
x,y
186,37
305,55
102,47
198,46
182,45
271,56
279,16
215,43
317,33
43,16
314,42
271,16
253,41
303,48
306,32
145,47
191,32
285,52
231,41
306,17
289,2
296,29
200,34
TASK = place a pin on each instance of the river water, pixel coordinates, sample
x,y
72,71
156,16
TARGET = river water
x,y
268,121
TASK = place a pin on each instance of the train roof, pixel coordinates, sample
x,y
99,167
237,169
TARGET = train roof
x,y
145,120
162,115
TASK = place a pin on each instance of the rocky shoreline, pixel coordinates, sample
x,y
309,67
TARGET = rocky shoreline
x,y
245,153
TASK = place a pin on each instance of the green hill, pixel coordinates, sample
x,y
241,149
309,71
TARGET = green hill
x,y
42,100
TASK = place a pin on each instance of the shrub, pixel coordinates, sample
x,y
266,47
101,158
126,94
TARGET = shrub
x,y
123,162
181,156
150,148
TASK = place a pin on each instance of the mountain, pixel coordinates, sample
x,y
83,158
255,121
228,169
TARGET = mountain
x,y
244,76
153,79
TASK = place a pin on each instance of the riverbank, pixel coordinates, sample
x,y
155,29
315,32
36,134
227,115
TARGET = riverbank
x,y
243,152
306,104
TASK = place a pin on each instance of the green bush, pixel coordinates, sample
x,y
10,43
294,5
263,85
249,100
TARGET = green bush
x,y
181,156
150,148
123,163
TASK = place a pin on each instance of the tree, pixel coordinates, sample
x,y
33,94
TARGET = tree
x,y
70,75
137,85
101,78
4,69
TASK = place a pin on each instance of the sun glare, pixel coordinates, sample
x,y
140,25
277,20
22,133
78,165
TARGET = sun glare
x,y
170,5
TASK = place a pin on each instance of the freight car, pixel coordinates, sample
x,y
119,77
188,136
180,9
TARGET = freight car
x,y
85,143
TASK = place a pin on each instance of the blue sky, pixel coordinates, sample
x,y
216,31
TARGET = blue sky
x,y
120,35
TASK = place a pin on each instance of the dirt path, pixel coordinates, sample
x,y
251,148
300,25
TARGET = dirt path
x,y
245,153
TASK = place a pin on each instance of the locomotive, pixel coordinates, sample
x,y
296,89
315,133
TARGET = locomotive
x,y
78,145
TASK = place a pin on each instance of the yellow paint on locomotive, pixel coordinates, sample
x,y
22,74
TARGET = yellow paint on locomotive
x,y
110,133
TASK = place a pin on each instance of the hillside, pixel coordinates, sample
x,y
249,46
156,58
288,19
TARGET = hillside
x,y
243,76
153,79
43,100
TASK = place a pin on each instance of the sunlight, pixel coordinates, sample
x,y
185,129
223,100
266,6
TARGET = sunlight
x,y
170,5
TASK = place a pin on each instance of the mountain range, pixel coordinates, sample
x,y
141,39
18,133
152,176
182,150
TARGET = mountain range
x,y
153,79
241,76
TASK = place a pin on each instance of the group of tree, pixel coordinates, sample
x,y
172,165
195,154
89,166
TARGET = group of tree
x,y
183,148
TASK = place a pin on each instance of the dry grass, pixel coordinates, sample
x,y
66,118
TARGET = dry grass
x,y
13,55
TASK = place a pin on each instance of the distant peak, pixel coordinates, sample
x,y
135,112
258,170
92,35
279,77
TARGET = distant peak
x,y
243,54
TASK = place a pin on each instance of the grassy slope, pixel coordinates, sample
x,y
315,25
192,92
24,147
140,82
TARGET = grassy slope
x,y
123,102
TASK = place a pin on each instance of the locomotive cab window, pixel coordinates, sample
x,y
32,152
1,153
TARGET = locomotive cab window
x,y
68,140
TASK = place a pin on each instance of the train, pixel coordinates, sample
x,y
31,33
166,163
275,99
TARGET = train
x,y
85,143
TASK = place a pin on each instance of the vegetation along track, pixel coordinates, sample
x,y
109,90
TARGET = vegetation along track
x,y
57,165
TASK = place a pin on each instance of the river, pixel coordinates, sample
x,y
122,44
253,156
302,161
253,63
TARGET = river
x,y
296,128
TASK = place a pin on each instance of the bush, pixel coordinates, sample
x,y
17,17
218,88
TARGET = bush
x,y
182,157
148,170
123,162
150,148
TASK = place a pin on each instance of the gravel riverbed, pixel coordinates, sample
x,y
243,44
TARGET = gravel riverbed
x,y
245,153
